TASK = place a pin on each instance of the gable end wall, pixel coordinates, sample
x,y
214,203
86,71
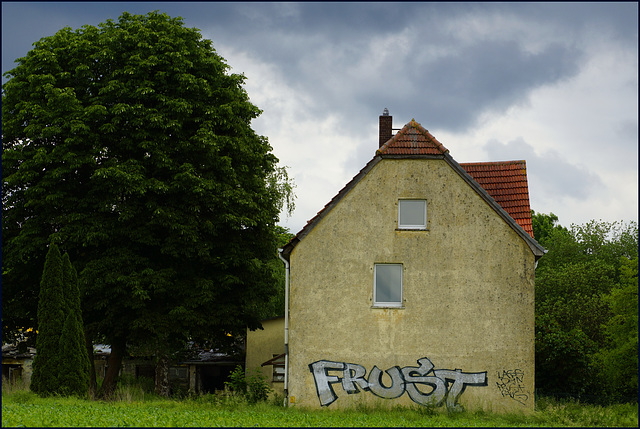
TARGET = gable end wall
x,y
468,289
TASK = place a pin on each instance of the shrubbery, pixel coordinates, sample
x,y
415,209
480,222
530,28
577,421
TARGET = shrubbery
x,y
253,387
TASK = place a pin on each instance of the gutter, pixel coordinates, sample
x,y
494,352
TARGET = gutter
x,y
286,326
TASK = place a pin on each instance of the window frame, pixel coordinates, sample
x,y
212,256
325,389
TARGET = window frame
x,y
421,227
388,304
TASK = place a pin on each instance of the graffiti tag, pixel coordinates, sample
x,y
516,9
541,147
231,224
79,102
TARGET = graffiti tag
x,y
511,385
443,385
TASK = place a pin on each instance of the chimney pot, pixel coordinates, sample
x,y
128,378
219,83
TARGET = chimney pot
x,y
385,131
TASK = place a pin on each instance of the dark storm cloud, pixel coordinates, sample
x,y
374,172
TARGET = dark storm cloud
x,y
453,90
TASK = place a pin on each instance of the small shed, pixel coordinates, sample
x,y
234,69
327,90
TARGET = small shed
x,y
17,363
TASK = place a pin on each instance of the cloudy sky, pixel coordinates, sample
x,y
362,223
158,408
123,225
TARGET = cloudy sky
x,y
555,84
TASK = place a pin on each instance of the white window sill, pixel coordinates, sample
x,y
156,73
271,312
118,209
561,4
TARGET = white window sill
x,y
394,307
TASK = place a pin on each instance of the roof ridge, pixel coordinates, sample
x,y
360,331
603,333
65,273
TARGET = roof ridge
x,y
412,139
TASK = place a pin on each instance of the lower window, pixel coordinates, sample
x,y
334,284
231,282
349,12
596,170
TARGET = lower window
x,y
387,285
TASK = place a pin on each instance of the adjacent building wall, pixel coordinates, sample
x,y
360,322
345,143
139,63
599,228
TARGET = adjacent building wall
x,y
263,345
468,298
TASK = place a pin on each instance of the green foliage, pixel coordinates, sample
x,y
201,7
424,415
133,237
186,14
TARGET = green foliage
x,y
618,360
258,388
73,374
562,357
130,144
544,225
74,359
44,379
61,365
237,382
254,387
274,307
25,409
586,316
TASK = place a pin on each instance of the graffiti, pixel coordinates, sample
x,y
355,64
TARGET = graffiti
x,y
511,385
443,385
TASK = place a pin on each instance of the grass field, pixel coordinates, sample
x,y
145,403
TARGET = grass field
x,y
25,409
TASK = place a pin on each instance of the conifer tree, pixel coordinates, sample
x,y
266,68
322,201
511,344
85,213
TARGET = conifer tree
x,y
74,360
44,379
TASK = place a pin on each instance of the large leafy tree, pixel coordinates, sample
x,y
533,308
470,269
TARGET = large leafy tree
x,y
585,310
130,144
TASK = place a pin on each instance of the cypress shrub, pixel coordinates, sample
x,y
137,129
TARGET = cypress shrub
x,y
72,298
44,379
73,376
74,359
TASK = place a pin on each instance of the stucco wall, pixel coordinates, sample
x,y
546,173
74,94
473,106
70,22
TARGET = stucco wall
x,y
261,346
468,290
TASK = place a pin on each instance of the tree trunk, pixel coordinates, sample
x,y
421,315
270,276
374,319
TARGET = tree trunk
x,y
113,370
162,376
93,384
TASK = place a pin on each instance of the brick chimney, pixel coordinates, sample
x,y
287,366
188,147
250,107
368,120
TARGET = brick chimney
x,y
386,123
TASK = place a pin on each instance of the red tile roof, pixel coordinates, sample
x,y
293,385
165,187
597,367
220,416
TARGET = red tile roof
x,y
505,182
412,139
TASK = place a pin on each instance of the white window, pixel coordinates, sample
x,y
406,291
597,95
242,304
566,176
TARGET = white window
x,y
412,214
387,285
278,372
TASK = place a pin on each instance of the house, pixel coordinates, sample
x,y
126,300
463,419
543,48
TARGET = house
x,y
266,352
413,285
17,363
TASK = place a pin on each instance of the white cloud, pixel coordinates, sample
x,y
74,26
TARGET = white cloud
x,y
315,149
580,131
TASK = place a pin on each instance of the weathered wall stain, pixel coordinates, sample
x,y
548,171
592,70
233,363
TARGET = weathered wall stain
x,y
511,385
446,385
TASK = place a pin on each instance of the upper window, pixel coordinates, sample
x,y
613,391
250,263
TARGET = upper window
x,y
412,214
387,285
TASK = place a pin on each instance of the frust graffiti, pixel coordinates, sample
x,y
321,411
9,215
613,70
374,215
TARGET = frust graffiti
x,y
442,385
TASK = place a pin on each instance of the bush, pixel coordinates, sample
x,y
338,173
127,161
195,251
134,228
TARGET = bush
x,y
254,388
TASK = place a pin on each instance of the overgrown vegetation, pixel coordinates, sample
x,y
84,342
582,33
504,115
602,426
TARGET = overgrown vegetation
x,y
253,387
23,408
587,310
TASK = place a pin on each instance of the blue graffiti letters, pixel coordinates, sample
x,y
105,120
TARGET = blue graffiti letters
x,y
442,385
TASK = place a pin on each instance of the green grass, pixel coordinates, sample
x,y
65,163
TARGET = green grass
x,y
26,409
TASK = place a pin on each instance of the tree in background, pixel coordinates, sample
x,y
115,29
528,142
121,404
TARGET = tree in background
x,y
44,379
579,285
74,361
618,359
274,307
130,145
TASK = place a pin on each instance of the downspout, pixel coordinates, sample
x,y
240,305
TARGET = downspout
x,y
286,327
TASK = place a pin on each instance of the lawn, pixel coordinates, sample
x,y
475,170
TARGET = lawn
x,y
26,409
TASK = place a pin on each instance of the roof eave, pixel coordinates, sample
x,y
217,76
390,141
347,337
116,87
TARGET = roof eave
x,y
288,248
